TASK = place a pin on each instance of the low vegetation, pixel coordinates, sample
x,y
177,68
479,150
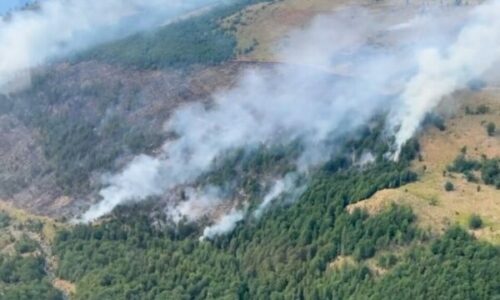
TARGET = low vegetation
x,y
24,277
489,169
475,222
448,186
26,245
491,129
479,110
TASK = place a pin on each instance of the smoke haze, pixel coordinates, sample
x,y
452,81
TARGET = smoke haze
x,y
307,101
442,71
198,204
331,82
30,38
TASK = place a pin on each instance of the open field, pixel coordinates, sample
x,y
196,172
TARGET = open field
x,y
262,30
436,208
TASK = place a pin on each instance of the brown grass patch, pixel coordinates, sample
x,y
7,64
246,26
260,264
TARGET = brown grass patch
x,y
68,288
435,208
265,26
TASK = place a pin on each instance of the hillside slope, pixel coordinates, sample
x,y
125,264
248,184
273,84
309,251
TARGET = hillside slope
x,y
435,207
358,225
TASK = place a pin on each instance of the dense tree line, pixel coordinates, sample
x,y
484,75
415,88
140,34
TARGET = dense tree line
x,y
131,257
489,169
246,169
455,266
282,255
285,255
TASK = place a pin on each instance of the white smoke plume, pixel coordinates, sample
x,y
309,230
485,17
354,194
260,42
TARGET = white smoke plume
x,y
308,101
277,189
224,225
30,38
199,203
141,177
441,71
308,96
287,187
365,159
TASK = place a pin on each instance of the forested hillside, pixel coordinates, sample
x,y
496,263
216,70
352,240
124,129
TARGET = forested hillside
x,y
91,112
289,254
196,40
252,149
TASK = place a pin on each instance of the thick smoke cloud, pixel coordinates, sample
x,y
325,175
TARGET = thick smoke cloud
x,y
297,99
332,81
442,71
32,37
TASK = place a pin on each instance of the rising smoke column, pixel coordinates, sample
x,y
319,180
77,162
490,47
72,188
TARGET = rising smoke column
x,y
443,71
304,98
287,187
30,38
277,189
223,225
140,177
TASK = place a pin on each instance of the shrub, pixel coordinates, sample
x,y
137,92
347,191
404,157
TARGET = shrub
x,y
475,222
26,245
4,220
482,109
490,171
448,186
433,201
461,164
470,176
491,128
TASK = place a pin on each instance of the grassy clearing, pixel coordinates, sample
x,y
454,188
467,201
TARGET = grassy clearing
x,y
436,208
255,40
263,29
